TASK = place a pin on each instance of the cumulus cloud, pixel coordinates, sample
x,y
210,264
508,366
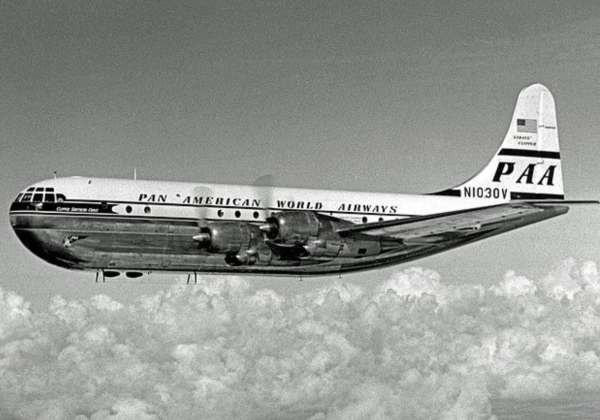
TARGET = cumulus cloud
x,y
415,346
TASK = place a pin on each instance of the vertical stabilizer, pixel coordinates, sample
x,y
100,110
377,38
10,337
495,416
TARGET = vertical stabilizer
x,y
527,165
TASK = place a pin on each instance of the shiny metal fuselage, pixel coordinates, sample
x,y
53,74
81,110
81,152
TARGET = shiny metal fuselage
x,y
112,243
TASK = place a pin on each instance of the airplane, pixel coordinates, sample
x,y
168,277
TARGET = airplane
x,y
131,226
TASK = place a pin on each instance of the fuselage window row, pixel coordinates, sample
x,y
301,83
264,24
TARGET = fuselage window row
x,y
47,195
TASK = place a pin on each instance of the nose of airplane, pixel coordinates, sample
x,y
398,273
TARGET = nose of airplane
x,y
29,220
15,207
33,198
19,208
29,202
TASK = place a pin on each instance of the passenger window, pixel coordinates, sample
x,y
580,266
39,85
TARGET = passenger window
x,y
237,213
49,198
27,197
255,215
220,213
364,219
38,197
147,210
128,209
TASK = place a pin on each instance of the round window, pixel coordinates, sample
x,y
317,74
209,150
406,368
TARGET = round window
x,y
238,213
147,210
128,209
364,219
220,213
255,215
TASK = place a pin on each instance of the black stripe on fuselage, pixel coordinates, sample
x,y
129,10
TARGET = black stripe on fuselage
x,y
529,153
111,204
146,217
125,217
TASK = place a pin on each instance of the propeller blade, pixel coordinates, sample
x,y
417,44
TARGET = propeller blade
x,y
201,213
264,191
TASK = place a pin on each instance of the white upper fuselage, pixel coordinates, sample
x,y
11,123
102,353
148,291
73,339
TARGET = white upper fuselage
x,y
221,201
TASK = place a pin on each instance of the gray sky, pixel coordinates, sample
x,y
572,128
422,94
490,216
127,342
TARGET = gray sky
x,y
374,95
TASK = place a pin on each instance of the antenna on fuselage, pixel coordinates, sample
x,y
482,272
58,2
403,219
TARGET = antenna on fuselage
x,y
54,174
134,173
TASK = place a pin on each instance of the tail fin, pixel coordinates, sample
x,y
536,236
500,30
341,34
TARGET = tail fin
x,y
527,165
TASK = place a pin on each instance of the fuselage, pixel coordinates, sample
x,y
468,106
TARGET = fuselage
x,y
141,226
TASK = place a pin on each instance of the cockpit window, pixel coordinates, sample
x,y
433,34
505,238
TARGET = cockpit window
x,y
39,195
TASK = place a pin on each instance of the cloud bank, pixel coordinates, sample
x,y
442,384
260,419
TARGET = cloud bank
x,y
413,347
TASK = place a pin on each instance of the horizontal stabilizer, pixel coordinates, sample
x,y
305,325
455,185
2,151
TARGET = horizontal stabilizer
x,y
565,202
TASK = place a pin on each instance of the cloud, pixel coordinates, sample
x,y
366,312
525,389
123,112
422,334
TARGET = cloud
x,y
415,346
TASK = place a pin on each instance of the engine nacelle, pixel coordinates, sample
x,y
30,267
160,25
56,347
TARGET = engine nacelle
x,y
242,258
324,248
360,248
292,226
227,237
348,248
300,234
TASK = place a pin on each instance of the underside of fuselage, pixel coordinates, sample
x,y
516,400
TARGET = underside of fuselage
x,y
112,242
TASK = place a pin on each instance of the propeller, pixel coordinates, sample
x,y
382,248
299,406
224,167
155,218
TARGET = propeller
x,y
264,191
201,213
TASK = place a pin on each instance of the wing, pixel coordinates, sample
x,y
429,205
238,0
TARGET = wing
x,y
463,225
